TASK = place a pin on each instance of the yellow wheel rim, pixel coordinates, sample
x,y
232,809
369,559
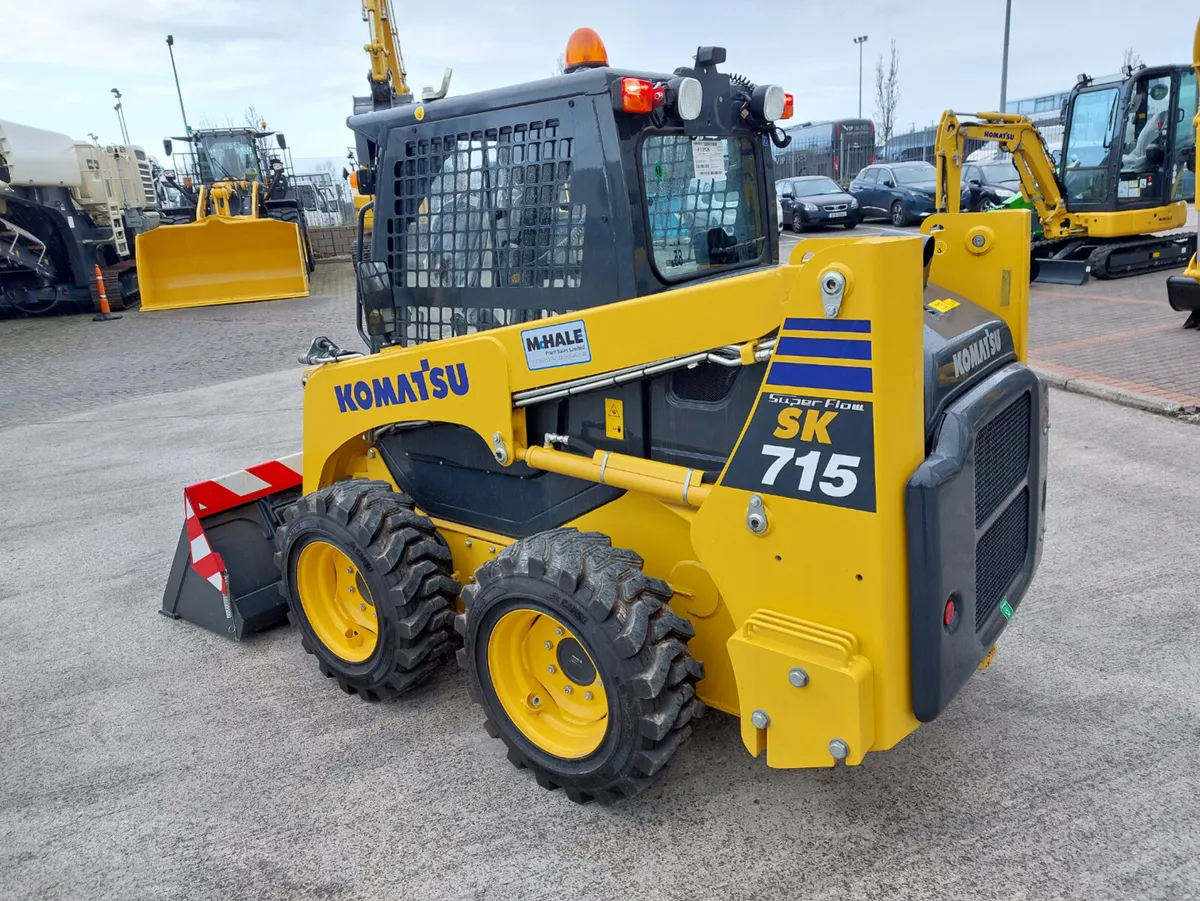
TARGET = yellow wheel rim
x,y
547,683
336,602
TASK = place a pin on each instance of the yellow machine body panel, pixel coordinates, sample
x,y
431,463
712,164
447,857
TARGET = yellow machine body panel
x,y
220,260
808,587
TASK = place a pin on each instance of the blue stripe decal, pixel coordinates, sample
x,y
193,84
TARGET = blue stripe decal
x,y
828,325
831,348
825,378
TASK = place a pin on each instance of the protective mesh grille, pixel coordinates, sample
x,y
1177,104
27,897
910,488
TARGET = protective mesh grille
x,y
483,209
707,383
1001,457
999,556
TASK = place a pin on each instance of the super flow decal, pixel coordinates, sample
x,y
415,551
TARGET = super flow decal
x,y
551,346
813,447
428,382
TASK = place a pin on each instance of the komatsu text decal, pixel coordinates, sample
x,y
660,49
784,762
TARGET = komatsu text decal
x,y
977,353
551,346
428,382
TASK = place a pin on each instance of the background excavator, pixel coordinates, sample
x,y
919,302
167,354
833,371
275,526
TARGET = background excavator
x,y
1183,291
389,88
1104,210
240,234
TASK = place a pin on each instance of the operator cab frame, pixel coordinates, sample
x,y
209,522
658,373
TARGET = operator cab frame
x,y
1127,139
592,187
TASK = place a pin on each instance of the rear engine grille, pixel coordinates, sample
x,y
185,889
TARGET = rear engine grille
x,y
999,556
1001,457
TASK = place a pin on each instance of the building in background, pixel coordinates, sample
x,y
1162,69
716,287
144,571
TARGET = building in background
x,y
837,148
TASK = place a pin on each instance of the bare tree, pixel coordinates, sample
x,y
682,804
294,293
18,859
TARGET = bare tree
x,y
560,66
1130,60
253,119
887,95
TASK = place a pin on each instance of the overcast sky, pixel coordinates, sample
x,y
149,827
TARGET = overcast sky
x,y
299,62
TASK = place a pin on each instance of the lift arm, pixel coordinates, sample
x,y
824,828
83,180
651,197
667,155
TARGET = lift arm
x,y
388,78
1018,136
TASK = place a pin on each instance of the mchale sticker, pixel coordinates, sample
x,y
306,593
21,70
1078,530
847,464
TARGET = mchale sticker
x,y
551,346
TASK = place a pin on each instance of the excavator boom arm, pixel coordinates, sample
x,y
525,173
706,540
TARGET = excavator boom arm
x,y
387,65
1018,136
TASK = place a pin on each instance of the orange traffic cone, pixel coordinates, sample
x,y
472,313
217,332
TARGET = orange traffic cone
x,y
105,312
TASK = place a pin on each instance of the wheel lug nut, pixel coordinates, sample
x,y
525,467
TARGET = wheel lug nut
x,y
547,645
587,695
558,631
349,570
362,606
567,689
535,701
352,589
552,669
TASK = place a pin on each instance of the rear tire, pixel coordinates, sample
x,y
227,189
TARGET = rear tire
x,y
899,217
356,558
612,639
986,205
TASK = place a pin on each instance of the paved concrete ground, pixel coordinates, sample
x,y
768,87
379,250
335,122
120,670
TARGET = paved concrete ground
x,y
56,364
145,759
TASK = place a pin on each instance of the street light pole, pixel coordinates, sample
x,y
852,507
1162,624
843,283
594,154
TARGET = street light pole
x,y
187,129
860,41
1004,64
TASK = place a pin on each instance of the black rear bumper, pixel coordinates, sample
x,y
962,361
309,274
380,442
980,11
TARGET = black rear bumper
x,y
1183,293
975,511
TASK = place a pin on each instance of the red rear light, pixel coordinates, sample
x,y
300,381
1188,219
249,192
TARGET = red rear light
x,y
835,162
950,614
789,103
637,95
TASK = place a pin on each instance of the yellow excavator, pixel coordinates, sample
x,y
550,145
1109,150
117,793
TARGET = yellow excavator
x,y
389,88
1183,291
1109,206
241,234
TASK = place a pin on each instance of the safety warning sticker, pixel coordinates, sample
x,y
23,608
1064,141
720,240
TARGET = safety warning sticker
x,y
708,158
818,449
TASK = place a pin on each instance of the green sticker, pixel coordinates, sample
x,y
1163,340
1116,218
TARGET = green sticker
x,y
1006,608
658,170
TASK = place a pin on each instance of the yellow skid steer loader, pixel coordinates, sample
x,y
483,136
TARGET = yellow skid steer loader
x,y
247,240
623,462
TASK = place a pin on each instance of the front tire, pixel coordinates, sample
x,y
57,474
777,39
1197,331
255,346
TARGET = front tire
x,y
797,223
899,217
580,666
986,205
369,584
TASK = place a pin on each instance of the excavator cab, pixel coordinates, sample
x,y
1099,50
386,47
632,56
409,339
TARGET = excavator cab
x,y
1128,140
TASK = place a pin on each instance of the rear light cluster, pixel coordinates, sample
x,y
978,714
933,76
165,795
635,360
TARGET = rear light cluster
x,y
685,97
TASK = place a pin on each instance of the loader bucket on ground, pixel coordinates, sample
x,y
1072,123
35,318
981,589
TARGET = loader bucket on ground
x,y
219,261
224,576
1060,272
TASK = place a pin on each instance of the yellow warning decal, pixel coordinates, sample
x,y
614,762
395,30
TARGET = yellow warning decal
x,y
614,419
943,306
419,113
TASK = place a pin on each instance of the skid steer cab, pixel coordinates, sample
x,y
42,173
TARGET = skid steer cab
x,y
622,463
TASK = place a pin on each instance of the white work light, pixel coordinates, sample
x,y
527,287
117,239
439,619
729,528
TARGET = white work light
x,y
689,96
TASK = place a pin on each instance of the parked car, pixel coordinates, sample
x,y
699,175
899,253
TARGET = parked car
x,y
778,210
900,192
990,184
815,200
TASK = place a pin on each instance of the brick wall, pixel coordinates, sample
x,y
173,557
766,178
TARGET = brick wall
x,y
333,243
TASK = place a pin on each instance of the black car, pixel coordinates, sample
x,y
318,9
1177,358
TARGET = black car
x,y
900,192
990,184
816,200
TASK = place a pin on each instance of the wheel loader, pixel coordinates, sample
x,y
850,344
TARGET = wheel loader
x,y
241,234
613,455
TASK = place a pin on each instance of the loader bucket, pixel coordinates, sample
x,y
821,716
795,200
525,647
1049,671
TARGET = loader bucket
x,y
224,576
220,260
